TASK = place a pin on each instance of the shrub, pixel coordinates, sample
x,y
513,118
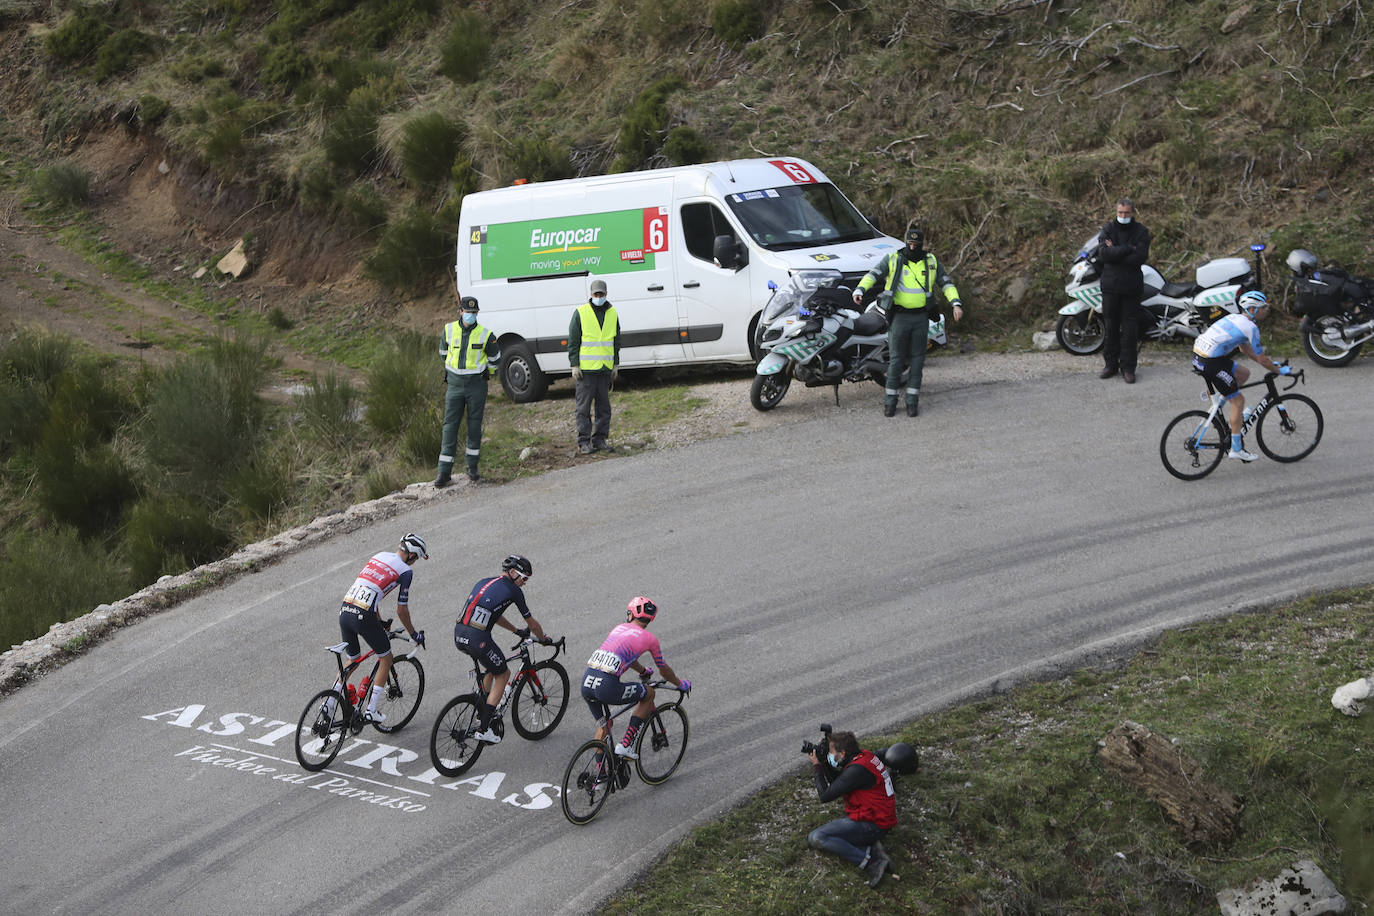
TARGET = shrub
x,y
166,536
261,487
37,357
316,184
402,385
463,55
365,206
330,406
152,109
684,146
83,486
540,160
77,39
644,123
196,68
380,482
121,52
412,251
285,66
429,147
737,21
350,138
670,22
424,436
90,575
62,185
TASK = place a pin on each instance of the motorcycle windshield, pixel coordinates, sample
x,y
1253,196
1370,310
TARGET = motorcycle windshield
x,y
1089,246
800,216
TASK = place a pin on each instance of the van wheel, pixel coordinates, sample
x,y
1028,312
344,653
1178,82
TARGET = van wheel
x,y
521,378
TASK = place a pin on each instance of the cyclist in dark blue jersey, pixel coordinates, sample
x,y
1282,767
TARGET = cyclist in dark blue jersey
x,y
480,616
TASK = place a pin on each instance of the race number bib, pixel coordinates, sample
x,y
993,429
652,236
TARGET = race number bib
x,y
602,660
480,617
363,595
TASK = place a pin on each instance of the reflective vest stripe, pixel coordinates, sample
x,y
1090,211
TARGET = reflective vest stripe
x,y
461,358
597,350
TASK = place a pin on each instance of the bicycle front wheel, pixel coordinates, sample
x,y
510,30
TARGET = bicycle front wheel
x,y
452,749
1191,448
587,782
661,743
405,687
1290,429
322,730
539,705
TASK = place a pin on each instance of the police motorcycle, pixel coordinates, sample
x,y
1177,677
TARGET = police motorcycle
x,y
1172,311
1337,310
810,331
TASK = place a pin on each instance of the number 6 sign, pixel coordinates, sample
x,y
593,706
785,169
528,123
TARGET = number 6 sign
x,y
793,170
655,228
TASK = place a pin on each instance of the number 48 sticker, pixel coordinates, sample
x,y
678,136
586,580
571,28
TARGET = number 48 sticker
x,y
655,228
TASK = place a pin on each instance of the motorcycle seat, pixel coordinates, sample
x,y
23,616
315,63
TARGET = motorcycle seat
x,y
870,323
1180,290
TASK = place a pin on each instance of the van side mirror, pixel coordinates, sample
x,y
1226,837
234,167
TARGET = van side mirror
x,y
729,253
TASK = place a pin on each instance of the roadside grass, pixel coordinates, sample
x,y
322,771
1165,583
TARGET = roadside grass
x,y
1012,813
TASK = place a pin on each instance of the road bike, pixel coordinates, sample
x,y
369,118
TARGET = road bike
x,y
334,714
537,695
1287,427
594,772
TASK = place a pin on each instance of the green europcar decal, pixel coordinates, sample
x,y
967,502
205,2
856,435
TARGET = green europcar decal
x,y
619,241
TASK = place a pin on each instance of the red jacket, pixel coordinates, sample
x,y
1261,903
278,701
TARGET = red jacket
x,y
878,803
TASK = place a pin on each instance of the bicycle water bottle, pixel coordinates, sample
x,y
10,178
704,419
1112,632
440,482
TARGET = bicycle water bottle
x,y
353,694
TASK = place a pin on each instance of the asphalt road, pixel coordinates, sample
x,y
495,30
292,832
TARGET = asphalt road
x,y
852,569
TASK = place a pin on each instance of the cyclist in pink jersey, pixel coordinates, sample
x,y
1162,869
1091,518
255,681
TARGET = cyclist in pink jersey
x,y
620,652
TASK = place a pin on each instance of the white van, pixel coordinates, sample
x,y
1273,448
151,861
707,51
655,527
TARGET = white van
x,y
687,255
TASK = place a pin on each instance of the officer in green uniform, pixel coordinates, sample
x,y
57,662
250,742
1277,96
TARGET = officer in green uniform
x,y
594,352
911,274
469,351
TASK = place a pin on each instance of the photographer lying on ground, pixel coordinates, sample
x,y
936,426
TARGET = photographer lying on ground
x,y
870,805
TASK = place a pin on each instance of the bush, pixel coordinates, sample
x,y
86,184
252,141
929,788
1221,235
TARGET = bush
x,y
330,406
429,147
645,122
463,55
88,575
167,536
196,68
152,108
279,319
350,138
31,366
540,160
121,52
365,206
380,482
403,385
284,66
62,185
737,21
261,487
424,436
413,251
86,487
78,39
685,146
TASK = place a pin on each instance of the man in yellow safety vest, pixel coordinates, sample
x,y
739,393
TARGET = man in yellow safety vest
x,y
594,352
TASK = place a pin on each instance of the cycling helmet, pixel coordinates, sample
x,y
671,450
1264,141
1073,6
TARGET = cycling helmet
x,y
413,543
1252,302
641,608
518,563
1301,261
469,304
902,758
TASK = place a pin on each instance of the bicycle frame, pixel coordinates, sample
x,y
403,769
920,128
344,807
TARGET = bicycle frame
x,y
526,672
347,672
1260,408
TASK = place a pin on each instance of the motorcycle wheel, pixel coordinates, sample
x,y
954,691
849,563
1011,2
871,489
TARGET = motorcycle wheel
x,y
768,390
1080,334
1323,352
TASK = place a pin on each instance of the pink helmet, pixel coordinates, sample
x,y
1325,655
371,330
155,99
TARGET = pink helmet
x,y
641,608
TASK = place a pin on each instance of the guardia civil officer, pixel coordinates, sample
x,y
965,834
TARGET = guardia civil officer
x,y
469,351
912,275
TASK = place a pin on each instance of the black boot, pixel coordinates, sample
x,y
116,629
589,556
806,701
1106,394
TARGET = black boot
x,y
913,407
889,407
444,478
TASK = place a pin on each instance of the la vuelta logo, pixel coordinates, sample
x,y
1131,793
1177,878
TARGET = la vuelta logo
x,y
366,771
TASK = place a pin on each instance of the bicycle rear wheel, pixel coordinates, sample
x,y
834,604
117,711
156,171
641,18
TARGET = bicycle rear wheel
x,y
1191,448
543,698
587,782
661,743
405,687
1290,429
452,749
322,729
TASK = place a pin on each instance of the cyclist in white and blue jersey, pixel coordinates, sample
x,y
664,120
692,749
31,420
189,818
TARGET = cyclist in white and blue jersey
x,y
1214,358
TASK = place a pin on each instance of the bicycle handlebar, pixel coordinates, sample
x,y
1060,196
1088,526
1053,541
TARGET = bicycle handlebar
x,y
558,644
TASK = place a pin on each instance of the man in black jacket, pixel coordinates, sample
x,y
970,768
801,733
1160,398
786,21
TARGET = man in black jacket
x,y
1125,246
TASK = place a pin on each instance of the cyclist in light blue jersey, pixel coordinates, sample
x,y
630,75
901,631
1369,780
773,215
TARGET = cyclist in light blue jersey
x,y
1214,359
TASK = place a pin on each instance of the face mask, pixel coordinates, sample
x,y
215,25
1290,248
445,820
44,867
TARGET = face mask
x,y
469,319
1124,220
834,761
598,300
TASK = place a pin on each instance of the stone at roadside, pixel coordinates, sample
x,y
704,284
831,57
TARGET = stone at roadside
x,y
1302,890
1236,17
235,263
1017,290
1044,340
1347,696
200,272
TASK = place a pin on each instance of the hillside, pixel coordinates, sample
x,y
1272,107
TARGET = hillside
x,y
340,136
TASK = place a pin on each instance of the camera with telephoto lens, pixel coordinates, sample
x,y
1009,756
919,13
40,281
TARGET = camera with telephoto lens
x,y
823,747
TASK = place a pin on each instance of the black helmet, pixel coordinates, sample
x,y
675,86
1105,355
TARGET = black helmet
x,y
519,563
469,304
902,758
1301,261
413,543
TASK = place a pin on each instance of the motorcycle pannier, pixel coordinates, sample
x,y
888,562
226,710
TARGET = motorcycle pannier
x,y
1323,293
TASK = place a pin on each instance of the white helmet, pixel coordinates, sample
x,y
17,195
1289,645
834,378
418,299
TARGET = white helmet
x,y
1301,261
413,543
1252,301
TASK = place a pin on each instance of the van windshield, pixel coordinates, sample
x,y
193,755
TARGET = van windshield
x,y
800,216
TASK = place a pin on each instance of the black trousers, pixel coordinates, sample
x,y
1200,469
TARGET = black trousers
x,y
1121,321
